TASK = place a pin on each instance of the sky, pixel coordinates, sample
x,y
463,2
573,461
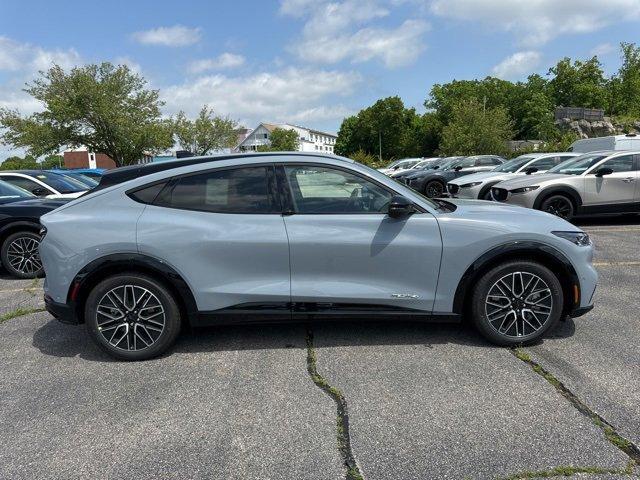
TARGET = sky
x,y
306,62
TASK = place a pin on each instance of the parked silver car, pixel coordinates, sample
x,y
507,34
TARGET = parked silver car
x,y
286,236
478,185
595,183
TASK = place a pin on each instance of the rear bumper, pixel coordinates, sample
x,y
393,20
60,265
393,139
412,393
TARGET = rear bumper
x,y
61,311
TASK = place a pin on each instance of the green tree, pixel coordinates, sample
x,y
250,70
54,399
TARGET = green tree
x,y
474,129
19,163
578,84
282,140
624,87
206,133
387,127
106,108
52,161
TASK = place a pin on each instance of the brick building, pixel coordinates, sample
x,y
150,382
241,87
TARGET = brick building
x,y
86,159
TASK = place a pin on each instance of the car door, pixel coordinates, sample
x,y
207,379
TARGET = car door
x,y
347,253
615,189
223,231
28,184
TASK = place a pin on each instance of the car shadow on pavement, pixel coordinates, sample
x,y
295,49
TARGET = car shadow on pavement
x,y
59,340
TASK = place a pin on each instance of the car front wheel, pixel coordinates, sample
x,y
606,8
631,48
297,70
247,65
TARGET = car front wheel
x,y
434,189
558,205
20,255
516,303
132,316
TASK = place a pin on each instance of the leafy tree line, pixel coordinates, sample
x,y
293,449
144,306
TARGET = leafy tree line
x,y
479,116
110,110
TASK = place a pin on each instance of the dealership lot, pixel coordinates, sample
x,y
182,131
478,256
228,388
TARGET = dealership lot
x,y
424,401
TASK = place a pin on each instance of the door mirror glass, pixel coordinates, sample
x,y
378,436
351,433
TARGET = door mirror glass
x,y
601,172
400,207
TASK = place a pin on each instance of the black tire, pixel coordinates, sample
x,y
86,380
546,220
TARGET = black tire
x,y
486,195
98,324
30,266
434,189
559,205
494,327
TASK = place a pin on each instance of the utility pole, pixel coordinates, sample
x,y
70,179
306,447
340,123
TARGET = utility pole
x,y
380,145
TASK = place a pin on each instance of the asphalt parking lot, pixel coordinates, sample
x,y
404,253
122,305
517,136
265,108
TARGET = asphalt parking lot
x,y
395,401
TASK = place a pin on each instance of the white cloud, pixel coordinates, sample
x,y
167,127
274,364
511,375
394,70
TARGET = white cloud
x,y
291,95
223,61
518,65
535,22
16,56
337,31
602,49
176,36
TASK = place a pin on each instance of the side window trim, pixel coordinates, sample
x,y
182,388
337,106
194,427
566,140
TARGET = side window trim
x,y
604,162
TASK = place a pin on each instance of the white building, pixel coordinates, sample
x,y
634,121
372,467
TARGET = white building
x,y
309,140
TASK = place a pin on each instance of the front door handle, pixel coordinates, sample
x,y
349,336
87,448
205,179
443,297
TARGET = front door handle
x,y
629,179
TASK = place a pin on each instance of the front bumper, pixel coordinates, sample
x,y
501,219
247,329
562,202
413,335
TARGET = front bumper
x,y
61,311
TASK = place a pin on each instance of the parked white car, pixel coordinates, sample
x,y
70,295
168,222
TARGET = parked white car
x,y
478,185
400,164
45,183
613,142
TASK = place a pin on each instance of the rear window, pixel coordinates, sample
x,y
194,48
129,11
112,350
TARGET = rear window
x,y
239,190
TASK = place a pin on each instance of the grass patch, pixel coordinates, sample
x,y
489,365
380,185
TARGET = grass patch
x,y
610,433
19,312
342,417
569,471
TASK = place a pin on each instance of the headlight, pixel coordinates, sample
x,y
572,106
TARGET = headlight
x,y
579,238
469,185
525,189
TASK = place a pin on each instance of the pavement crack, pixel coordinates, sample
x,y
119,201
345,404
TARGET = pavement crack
x,y
342,421
610,432
570,471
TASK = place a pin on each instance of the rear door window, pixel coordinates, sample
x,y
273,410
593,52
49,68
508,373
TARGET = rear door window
x,y
238,190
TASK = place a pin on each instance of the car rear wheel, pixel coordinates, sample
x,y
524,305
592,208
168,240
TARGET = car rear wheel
x,y
516,303
434,189
558,205
132,316
20,256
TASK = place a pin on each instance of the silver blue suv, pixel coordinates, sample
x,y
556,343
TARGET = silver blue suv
x,y
288,236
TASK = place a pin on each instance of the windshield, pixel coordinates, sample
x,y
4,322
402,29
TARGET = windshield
x,y
10,193
451,162
578,165
514,164
82,178
61,183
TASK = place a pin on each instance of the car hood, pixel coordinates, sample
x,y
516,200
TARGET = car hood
x,y
531,180
31,205
482,176
507,216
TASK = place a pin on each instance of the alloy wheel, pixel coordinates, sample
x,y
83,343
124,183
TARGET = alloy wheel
x,y
434,189
560,207
518,304
130,317
23,255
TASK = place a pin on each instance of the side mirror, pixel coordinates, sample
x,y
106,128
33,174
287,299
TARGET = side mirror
x,y
40,191
400,207
530,170
458,168
601,172
436,167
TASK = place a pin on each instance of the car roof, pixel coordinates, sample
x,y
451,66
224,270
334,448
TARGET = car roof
x,y
124,174
31,172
